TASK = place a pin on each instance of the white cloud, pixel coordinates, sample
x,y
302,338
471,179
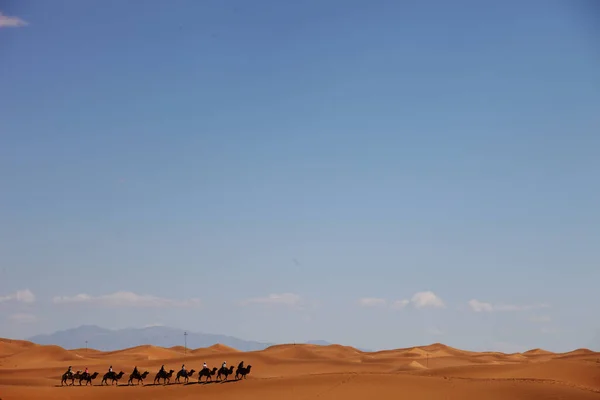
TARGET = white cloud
x,y
285,299
480,306
11,22
155,325
418,300
126,299
371,302
23,296
22,318
400,304
514,307
427,299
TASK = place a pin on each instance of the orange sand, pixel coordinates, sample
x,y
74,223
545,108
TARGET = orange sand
x,y
30,371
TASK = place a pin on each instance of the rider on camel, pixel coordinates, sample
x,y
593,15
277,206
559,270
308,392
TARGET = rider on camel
x,y
204,365
183,367
110,369
162,369
135,371
70,370
241,365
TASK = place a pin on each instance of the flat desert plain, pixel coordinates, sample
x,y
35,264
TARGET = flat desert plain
x,y
30,371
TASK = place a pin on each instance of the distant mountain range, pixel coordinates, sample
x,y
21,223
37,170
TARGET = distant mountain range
x,y
109,340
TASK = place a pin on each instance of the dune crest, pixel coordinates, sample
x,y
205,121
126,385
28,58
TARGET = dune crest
x,y
537,352
10,346
215,348
35,356
142,352
416,365
578,352
411,366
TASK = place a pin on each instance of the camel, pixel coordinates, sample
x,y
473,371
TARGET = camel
x,y
164,375
87,378
79,375
68,375
112,376
224,371
185,374
139,377
242,372
207,373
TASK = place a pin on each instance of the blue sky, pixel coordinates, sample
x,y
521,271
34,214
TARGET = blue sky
x,y
376,173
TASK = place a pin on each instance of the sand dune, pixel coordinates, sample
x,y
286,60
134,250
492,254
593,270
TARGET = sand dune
x,y
29,371
537,352
413,365
85,351
39,356
582,354
9,347
312,352
221,348
144,352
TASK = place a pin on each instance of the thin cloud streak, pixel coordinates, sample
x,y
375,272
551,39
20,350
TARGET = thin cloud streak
x,y
481,306
371,302
11,21
22,296
426,299
126,299
285,299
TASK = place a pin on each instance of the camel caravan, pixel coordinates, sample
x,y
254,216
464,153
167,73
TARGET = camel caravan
x,y
222,374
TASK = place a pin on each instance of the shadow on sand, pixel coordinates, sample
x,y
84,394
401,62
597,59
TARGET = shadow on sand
x,y
158,384
218,382
161,384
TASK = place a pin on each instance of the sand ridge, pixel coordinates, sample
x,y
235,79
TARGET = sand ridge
x,y
295,371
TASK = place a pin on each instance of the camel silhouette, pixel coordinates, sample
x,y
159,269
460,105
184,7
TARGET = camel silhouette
x,y
224,371
139,377
207,373
113,376
163,375
242,372
68,375
87,378
185,374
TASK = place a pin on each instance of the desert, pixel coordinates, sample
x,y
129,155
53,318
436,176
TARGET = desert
x,y
301,371
350,199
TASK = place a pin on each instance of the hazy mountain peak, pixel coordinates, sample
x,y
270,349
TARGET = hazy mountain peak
x,y
107,340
